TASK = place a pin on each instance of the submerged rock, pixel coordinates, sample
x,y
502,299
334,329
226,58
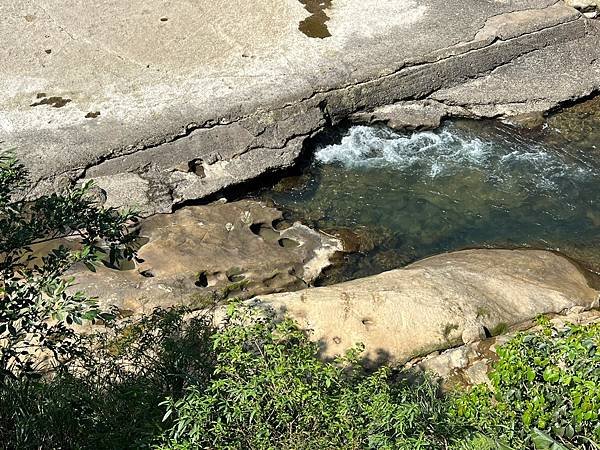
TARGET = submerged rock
x,y
203,254
578,124
435,303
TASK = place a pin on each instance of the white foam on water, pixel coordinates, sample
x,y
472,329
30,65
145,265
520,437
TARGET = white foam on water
x,y
374,147
447,152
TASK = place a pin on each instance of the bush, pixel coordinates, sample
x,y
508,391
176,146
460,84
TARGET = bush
x,y
36,306
108,396
271,390
258,383
546,390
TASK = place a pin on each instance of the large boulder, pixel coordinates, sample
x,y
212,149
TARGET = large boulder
x,y
436,303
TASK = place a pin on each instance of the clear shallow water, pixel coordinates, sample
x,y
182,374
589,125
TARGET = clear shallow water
x,y
398,197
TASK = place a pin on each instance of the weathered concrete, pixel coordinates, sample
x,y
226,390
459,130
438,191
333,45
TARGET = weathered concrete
x,y
191,97
437,303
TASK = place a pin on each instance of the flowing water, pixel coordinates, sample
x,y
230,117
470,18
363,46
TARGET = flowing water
x,y
398,197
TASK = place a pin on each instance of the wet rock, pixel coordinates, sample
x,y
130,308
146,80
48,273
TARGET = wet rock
x,y
427,306
350,240
203,254
392,259
290,183
578,124
530,121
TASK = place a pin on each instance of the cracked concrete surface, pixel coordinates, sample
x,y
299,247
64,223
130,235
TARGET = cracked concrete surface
x,y
186,98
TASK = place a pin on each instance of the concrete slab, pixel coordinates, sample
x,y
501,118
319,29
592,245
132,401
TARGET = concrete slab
x,y
94,88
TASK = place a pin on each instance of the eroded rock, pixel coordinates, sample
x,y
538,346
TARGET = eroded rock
x,y
203,254
237,105
432,304
416,115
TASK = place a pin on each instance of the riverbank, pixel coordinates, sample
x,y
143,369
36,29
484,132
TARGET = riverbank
x,y
164,104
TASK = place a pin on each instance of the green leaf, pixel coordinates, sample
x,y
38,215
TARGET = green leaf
x,y
543,441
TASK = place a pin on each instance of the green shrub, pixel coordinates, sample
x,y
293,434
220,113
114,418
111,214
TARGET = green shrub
x,y
271,390
258,383
109,396
36,306
546,390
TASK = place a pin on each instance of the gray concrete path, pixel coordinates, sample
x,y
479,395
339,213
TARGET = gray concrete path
x,y
167,100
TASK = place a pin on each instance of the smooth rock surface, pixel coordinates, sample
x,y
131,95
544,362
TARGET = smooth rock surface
x,y
193,97
203,254
428,305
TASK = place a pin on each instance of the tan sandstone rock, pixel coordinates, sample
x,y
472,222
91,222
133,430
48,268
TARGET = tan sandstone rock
x,y
202,254
432,304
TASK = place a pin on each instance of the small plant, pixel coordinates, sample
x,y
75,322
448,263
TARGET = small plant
x,y
501,328
108,396
448,329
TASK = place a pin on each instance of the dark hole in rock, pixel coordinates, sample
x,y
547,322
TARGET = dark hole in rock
x,y
488,333
164,19
367,322
202,280
288,243
264,231
92,115
48,51
255,228
315,26
55,102
147,274
197,168
139,260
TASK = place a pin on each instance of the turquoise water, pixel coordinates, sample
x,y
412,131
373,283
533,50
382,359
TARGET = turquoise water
x,y
398,197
